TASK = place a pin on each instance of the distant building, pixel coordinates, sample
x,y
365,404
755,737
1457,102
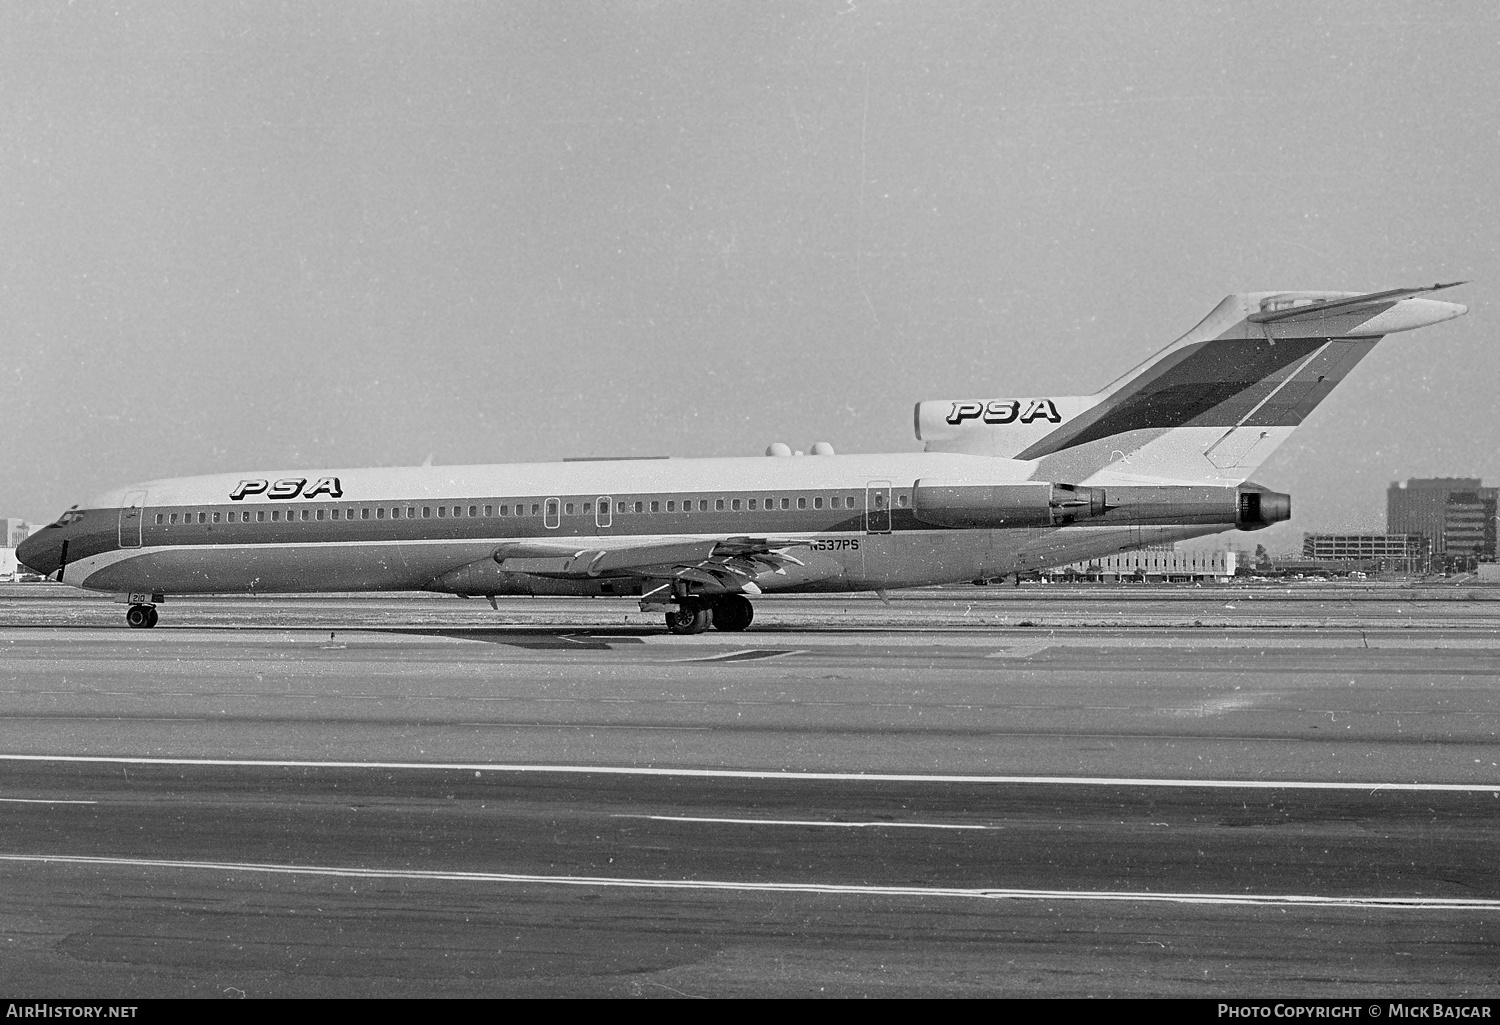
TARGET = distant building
x,y
1454,515
1406,552
1469,525
12,532
15,531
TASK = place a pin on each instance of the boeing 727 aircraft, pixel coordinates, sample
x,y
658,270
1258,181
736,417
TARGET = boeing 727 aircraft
x,y
1004,486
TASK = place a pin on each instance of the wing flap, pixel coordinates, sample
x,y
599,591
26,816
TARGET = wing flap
x,y
730,563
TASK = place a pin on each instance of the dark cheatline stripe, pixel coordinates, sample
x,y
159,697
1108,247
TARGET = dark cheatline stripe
x,y
1292,404
1214,384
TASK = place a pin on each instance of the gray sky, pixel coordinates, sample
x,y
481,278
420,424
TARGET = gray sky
x,y
355,234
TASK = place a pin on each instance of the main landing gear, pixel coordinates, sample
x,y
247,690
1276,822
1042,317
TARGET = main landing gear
x,y
732,612
141,616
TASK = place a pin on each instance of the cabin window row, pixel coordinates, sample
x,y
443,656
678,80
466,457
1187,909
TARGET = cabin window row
x,y
769,503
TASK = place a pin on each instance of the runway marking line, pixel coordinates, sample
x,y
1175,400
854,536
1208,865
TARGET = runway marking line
x,y
802,822
602,882
39,800
747,655
769,774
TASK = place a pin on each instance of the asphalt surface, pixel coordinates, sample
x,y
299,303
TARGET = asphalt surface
x,y
419,796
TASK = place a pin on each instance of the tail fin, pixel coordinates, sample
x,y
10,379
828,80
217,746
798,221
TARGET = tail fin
x,y
1209,408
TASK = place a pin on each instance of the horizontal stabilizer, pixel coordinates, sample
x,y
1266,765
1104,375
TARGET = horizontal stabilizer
x,y
1303,308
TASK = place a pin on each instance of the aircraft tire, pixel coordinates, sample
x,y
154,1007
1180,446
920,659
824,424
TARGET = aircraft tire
x,y
733,613
138,616
151,616
691,618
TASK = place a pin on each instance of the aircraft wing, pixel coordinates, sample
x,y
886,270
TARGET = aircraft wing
x,y
732,563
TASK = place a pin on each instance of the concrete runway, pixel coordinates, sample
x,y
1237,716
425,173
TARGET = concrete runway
x,y
418,796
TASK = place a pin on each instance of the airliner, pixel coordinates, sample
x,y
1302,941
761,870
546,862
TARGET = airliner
x,y
1002,486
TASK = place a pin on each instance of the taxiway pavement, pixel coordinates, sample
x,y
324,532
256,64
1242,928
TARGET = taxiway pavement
x,y
416,796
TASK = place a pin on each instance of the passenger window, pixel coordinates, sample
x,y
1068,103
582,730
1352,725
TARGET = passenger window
x,y
818,502
786,503
276,515
755,503
380,514
703,505
570,508
801,503
505,510
426,512
901,501
159,518
474,509
442,511
304,514
656,507
348,514
216,517
849,502
588,508
174,517
770,502
735,504
640,507
719,505
260,516
671,507
321,513
489,510
364,513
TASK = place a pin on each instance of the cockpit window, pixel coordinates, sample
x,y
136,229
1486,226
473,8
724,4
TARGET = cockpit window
x,y
71,516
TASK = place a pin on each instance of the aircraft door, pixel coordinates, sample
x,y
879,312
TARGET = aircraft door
x,y
130,519
604,512
878,507
552,513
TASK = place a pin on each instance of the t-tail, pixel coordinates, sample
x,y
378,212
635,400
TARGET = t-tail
x,y
1207,409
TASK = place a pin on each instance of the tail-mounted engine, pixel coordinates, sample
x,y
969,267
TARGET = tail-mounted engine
x,y
1029,504
1042,504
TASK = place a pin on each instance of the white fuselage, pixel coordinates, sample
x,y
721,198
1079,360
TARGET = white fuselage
x,y
847,520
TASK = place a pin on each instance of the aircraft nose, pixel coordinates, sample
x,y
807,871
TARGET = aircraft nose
x,y
41,552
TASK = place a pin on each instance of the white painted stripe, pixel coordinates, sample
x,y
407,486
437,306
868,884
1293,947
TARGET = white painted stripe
x,y
772,774
37,800
743,655
983,893
802,822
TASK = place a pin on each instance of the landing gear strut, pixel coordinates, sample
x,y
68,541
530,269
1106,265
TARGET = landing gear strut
x,y
141,616
733,613
689,617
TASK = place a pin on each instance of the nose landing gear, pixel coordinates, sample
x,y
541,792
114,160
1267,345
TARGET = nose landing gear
x,y
141,616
